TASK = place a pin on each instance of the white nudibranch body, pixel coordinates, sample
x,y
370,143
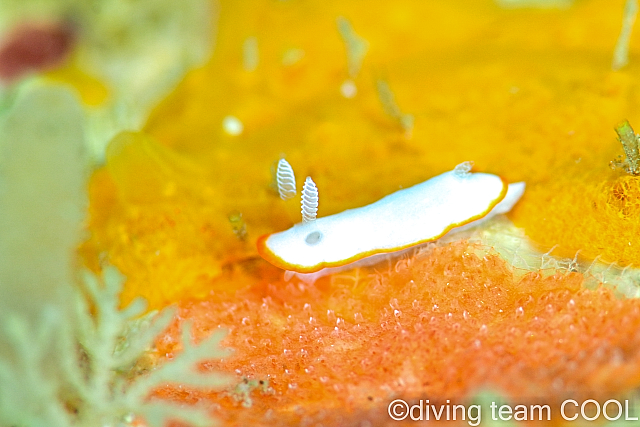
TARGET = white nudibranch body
x,y
416,215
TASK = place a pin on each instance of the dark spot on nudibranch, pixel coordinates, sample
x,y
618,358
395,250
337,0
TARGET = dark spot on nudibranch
x,y
313,238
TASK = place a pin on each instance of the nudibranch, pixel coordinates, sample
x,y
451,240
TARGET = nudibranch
x,y
423,213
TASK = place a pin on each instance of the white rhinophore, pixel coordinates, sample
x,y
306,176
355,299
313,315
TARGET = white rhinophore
x,y
309,201
286,180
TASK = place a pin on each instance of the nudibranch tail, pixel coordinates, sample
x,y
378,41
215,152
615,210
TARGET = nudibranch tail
x,y
286,180
309,201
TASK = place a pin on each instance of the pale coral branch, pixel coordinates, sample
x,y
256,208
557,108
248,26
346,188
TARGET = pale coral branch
x,y
621,52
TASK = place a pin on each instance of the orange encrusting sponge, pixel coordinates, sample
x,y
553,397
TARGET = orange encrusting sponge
x,y
598,218
445,324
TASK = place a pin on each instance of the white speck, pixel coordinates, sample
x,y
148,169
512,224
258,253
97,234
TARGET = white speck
x,y
463,169
292,56
514,90
232,125
348,89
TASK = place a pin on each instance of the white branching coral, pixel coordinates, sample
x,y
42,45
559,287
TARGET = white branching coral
x,y
69,356
81,369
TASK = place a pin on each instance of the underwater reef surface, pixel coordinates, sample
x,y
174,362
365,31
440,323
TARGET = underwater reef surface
x,y
524,93
385,97
366,97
